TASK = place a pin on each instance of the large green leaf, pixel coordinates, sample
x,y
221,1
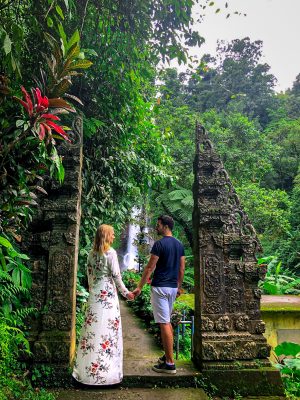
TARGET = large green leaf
x,y
4,242
270,288
287,349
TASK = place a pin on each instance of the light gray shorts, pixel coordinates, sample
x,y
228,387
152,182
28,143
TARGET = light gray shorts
x,y
162,300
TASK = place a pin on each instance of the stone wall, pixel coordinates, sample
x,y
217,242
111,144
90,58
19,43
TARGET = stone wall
x,y
52,243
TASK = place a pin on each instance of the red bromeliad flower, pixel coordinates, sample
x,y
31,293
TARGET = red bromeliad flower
x,y
41,122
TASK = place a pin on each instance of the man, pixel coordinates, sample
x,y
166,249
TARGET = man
x,y
168,263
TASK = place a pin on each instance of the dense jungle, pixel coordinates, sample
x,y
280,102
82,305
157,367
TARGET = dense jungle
x,y
109,61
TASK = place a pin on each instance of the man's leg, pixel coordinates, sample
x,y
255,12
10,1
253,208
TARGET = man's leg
x,y
167,340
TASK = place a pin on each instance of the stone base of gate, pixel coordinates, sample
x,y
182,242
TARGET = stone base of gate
x,y
228,379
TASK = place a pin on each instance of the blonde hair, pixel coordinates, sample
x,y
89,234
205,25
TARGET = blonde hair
x,y
102,238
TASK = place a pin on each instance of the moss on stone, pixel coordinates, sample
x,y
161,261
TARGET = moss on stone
x,y
280,307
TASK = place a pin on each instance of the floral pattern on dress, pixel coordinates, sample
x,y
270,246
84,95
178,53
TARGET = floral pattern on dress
x,y
86,343
99,359
106,346
104,297
96,370
90,318
114,324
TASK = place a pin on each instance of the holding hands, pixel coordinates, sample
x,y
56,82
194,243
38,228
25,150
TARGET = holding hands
x,y
132,295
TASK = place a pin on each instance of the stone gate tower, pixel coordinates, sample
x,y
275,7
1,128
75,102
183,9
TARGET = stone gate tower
x,y
228,326
52,242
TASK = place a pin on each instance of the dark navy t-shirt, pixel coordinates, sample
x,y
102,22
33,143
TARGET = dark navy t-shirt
x,y
169,250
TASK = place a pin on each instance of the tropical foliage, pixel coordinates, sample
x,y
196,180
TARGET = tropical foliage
x,y
104,59
288,362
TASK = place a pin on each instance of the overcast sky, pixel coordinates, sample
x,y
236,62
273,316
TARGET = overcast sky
x,y
275,22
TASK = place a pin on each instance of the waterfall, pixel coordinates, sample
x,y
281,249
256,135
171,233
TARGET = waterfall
x,y
130,260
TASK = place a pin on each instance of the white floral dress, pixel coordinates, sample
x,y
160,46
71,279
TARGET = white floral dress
x,y
99,359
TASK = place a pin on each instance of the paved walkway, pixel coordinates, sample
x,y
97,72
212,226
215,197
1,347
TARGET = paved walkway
x,y
140,382
141,353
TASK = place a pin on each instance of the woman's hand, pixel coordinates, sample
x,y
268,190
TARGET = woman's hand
x,y
130,296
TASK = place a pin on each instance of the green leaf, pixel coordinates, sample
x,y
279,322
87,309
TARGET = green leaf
x,y
73,51
50,22
7,44
63,38
4,242
60,12
57,162
80,64
270,288
292,363
19,123
75,38
26,279
278,267
92,52
287,349
16,276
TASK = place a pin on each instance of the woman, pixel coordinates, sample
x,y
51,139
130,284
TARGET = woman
x,y
99,359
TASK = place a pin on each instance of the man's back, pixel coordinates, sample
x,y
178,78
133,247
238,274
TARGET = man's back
x,y
169,250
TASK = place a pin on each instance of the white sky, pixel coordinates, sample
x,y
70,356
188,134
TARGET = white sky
x,y
275,22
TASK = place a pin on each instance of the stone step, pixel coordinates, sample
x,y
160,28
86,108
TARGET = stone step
x,y
132,394
123,393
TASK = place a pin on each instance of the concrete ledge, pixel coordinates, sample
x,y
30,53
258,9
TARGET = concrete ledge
x,y
245,382
161,381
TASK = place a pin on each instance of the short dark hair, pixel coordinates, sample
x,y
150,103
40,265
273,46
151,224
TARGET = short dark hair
x,y
167,220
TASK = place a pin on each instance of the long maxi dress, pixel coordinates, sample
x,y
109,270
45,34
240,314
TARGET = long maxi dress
x,y
99,359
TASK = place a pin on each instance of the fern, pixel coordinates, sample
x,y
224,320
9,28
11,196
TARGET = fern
x,y
179,201
16,318
9,291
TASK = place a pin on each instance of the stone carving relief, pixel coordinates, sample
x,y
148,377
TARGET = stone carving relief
x,y
213,307
222,324
54,275
226,257
207,324
228,351
212,276
209,352
260,327
241,323
248,351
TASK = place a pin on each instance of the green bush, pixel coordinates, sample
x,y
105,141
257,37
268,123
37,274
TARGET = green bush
x,y
288,362
278,282
13,384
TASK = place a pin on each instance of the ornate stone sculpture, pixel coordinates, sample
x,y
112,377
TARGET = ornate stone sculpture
x,y
226,270
53,246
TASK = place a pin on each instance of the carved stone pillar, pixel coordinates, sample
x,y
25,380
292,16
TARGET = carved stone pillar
x,y
52,243
228,326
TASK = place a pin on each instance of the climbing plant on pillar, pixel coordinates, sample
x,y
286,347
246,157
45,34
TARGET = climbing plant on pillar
x,y
28,151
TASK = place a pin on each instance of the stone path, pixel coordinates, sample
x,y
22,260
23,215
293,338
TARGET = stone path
x,y
141,352
140,382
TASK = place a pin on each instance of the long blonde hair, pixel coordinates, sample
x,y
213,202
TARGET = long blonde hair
x,y
102,238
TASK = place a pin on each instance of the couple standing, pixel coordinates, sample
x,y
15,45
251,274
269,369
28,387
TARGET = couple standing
x,y
99,359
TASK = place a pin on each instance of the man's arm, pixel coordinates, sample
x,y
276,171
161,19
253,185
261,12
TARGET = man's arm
x,y
181,273
146,274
